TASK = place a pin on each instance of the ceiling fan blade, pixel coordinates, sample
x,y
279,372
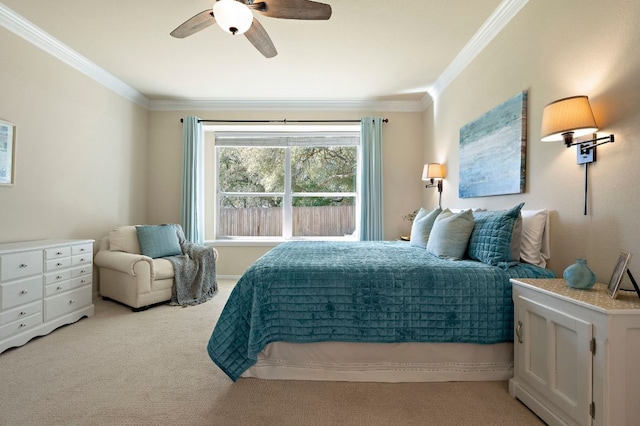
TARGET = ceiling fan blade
x,y
199,22
261,40
293,9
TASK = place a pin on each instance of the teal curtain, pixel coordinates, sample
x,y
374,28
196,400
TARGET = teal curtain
x,y
371,212
192,203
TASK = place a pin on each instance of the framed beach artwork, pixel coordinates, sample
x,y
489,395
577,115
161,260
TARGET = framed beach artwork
x,y
493,151
7,152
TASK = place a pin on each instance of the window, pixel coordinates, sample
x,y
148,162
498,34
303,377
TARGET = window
x,y
294,182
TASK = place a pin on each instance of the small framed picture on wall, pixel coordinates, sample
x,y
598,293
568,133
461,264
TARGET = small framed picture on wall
x,y
7,152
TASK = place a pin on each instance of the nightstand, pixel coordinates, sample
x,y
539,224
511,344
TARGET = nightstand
x,y
576,353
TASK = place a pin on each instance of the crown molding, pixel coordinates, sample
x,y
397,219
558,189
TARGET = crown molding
x,y
285,105
426,101
39,38
487,32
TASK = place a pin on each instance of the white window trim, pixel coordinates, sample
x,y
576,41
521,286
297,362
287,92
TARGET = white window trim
x,y
211,223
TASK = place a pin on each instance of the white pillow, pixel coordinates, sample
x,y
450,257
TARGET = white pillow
x,y
124,238
534,246
450,234
516,239
421,227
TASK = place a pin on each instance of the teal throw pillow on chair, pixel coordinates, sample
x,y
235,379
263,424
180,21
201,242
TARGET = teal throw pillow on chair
x,y
158,240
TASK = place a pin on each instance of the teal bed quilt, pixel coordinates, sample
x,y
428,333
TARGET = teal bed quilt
x,y
313,291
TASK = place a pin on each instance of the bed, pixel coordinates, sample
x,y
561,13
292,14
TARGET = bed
x,y
369,311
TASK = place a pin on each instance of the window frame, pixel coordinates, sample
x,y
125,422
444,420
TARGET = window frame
x,y
213,193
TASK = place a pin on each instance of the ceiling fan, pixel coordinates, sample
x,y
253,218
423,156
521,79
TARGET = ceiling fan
x,y
235,17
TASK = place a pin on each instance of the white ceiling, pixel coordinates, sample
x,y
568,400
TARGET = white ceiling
x,y
374,50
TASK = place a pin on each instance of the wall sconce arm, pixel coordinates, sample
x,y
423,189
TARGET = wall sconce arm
x,y
434,184
585,146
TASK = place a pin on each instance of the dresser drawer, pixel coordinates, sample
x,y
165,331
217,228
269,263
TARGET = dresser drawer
x,y
20,292
81,259
20,326
80,281
83,249
57,264
53,289
81,270
22,264
57,252
21,312
56,277
65,303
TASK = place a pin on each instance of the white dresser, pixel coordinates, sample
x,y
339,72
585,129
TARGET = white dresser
x,y
576,353
44,284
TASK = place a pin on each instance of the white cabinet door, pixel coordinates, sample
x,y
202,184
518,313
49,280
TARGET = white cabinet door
x,y
555,357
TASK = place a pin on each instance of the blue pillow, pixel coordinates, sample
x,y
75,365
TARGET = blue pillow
x,y
450,234
421,227
158,240
492,235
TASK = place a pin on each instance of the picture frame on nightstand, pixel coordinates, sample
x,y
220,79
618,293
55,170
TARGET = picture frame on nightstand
x,y
618,272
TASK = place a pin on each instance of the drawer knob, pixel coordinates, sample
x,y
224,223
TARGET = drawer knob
x,y
58,288
82,281
23,325
59,253
24,292
23,265
82,271
82,259
59,277
58,264
71,302
81,249
23,313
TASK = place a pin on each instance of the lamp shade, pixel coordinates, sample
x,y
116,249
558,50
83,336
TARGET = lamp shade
x,y
232,16
567,115
433,171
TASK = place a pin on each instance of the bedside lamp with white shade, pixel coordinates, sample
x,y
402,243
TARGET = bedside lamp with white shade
x,y
430,173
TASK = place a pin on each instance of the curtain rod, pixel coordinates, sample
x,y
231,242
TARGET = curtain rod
x,y
285,121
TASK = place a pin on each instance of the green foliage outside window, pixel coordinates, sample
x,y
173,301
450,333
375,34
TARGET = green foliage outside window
x,y
261,170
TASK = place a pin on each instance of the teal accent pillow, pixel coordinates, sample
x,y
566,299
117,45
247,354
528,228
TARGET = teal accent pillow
x,y
493,234
158,240
450,234
421,227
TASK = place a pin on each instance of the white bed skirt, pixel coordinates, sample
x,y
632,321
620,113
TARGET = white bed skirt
x,y
384,362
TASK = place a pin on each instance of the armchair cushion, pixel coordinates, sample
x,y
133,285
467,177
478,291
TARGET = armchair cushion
x,y
124,238
163,269
158,240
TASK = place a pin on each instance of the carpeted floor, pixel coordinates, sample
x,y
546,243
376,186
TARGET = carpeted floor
x,y
152,368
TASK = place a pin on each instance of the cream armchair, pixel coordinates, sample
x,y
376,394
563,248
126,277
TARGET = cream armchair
x,y
129,277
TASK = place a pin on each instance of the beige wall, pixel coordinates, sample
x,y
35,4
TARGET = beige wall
x,y
81,155
88,160
402,145
557,49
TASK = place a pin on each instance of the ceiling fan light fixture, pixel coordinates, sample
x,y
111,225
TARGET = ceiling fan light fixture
x,y
232,16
